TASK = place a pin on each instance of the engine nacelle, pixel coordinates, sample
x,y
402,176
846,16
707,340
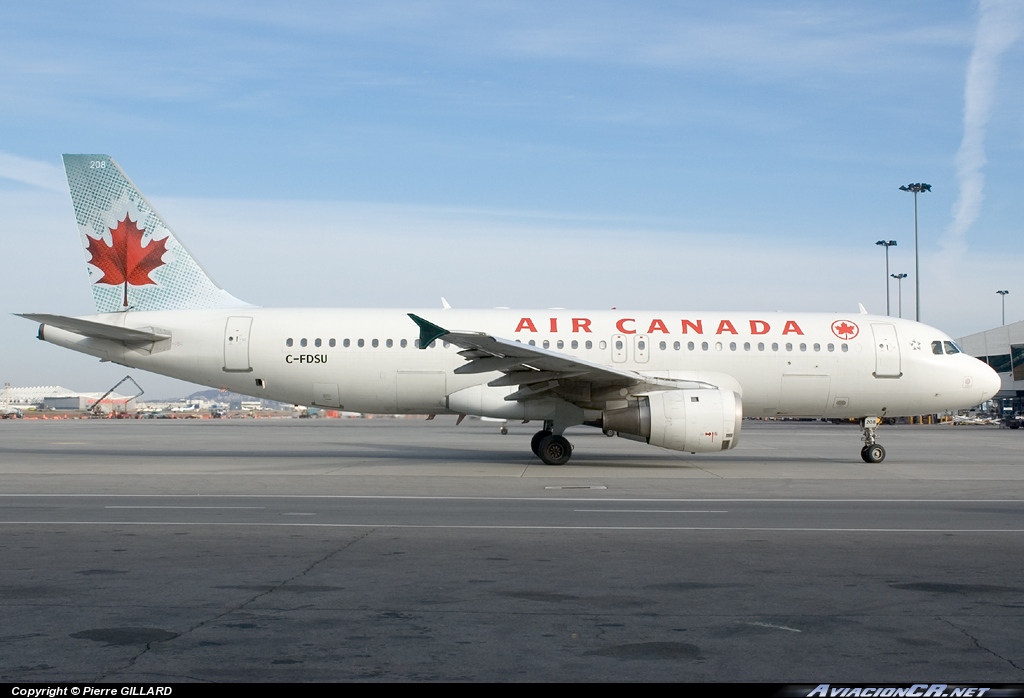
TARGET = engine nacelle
x,y
699,421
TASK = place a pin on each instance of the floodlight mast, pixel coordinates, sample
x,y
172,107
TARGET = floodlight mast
x,y
899,285
1003,294
887,244
917,188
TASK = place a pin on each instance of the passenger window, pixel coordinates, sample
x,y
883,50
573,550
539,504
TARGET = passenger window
x,y
732,346
937,347
602,345
641,345
746,346
803,347
289,342
718,346
346,343
333,343
831,347
760,346
589,344
845,346
303,342
789,346
546,344
676,345
532,343
389,343
704,346
445,344
405,343
360,343
663,345
775,346
317,342
951,348
690,346
575,344
374,343
817,347
560,345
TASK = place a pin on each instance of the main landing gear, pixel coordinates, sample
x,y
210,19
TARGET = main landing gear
x,y
872,452
553,449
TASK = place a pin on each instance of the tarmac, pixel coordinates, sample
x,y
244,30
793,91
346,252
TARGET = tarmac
x,y
398,550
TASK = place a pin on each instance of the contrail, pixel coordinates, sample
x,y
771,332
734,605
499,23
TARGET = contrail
x,y
999,26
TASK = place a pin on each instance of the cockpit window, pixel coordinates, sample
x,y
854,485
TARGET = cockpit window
x,y
951,348
936,347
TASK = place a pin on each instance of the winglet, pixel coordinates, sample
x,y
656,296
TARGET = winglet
x,y
863,310
428,331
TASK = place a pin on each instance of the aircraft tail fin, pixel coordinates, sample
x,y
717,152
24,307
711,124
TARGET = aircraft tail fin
x,y
135,261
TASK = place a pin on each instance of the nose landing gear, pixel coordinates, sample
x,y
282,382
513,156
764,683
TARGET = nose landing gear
x,y
872,452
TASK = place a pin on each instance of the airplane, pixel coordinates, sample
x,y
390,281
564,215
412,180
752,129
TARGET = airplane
x,y
680,380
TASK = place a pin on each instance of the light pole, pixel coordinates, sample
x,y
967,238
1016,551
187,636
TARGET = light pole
x,y
917,188
1003,294
886,244
899,284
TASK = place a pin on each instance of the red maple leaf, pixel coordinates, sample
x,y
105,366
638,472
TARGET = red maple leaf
x,y
845,330
126,261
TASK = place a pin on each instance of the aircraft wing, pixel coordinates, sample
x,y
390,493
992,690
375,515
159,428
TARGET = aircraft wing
x,y
99,330
540,372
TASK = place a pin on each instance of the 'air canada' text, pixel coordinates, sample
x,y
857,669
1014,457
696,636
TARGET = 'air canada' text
x,y
628,325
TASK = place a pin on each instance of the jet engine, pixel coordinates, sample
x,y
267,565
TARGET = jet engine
x,y
699,421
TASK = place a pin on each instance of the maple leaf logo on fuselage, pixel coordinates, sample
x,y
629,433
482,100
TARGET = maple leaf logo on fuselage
x,y
844,329
126,261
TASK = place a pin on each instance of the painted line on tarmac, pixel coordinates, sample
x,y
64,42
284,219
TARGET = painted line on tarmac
x,y
492,527
661,500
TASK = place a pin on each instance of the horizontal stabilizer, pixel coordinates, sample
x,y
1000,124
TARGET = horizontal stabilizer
x,y
99,330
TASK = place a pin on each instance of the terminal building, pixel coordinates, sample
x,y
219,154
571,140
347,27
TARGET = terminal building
x,y
1002,348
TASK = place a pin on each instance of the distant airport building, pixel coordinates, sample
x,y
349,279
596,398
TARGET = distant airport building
x,y
54,397
1002,348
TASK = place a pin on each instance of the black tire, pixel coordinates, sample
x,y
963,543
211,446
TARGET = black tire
x,y
873,454
890,420
535,441
555,450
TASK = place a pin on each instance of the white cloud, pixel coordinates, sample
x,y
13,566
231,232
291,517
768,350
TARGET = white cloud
x,y
32,172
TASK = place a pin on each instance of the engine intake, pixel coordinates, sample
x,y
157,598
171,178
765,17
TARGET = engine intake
x,y
699,421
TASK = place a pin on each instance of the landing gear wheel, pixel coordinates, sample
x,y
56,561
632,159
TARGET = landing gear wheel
x,y
537,438
554,450
873,453
503,430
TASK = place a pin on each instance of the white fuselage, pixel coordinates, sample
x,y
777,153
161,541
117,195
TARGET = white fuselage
x,y
366,360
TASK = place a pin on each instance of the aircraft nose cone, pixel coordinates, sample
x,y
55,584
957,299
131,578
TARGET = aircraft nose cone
x,y
989,382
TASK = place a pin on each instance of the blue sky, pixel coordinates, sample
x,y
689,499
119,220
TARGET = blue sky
x,y
736,155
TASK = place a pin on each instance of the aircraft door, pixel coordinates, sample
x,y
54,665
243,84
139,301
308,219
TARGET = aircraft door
x,y
618,348
236,344
641,348
887,351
